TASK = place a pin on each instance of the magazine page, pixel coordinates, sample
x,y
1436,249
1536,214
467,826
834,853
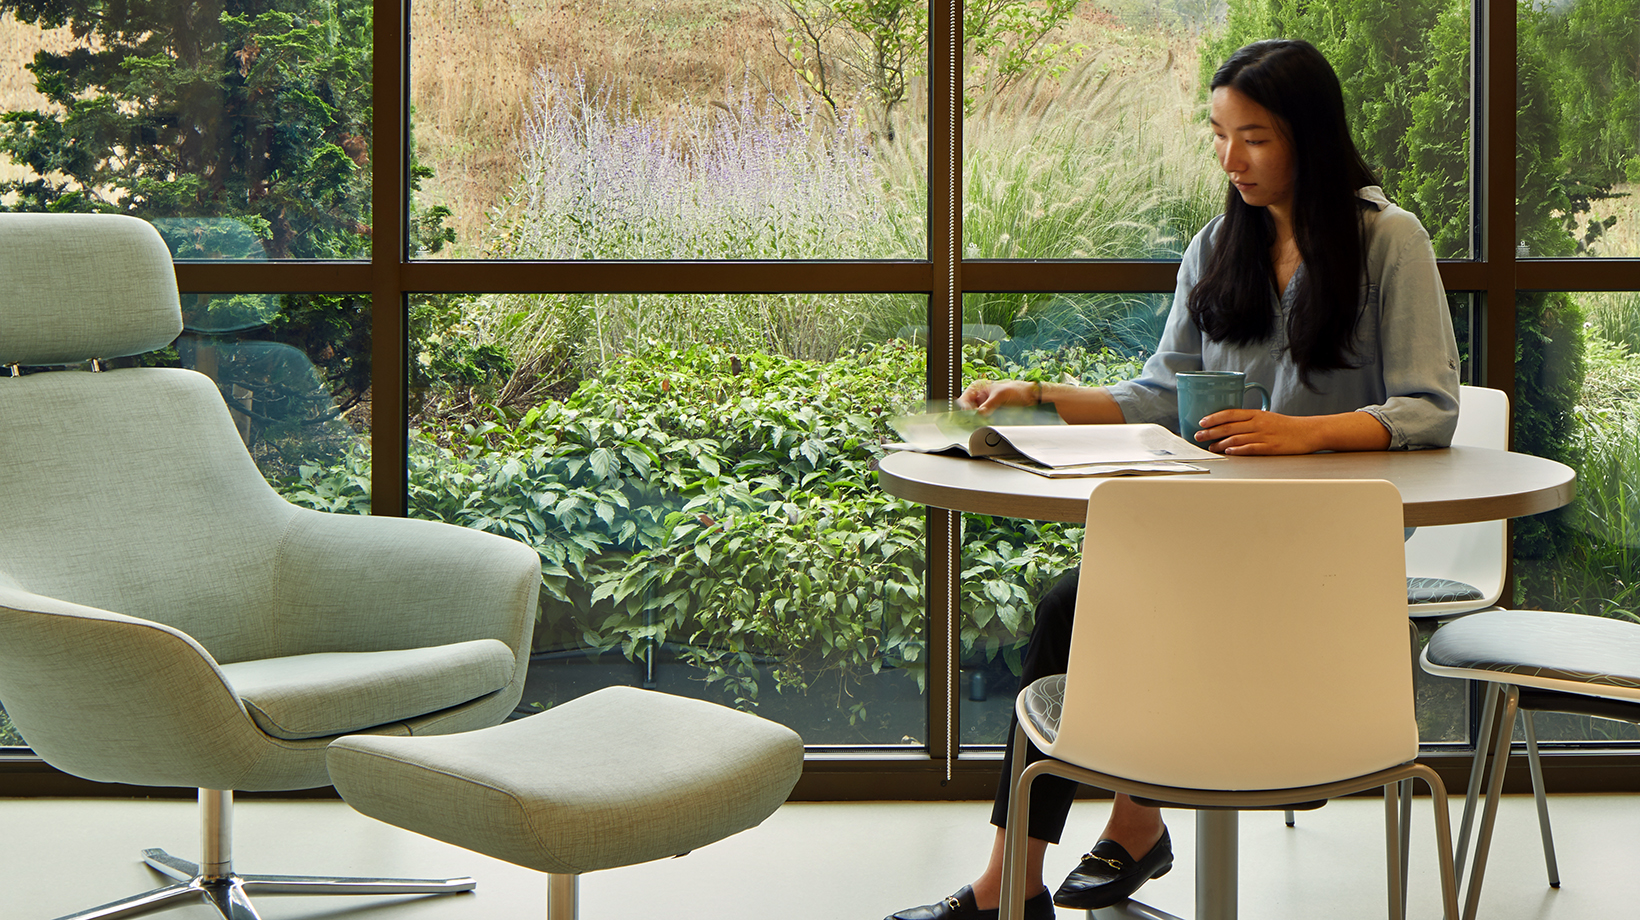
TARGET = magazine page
x,y
940,430
1081,445
1143,468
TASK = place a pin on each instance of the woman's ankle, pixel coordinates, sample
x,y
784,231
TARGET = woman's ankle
x,y
988,892
1135,827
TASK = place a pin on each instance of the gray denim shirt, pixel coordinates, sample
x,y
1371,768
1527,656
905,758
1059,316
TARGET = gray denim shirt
x,y
1408,378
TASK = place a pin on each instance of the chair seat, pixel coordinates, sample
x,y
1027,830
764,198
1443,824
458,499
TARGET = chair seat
x,y
1549,646
614,778
333,693
1440,591
1044,700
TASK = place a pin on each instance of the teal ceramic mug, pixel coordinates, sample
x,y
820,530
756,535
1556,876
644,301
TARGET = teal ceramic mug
x,y
1202,393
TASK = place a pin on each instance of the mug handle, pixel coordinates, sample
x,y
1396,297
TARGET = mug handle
x,y
1262,392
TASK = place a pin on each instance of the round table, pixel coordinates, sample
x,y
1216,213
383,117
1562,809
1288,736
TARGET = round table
x,y
1456,485
1452,486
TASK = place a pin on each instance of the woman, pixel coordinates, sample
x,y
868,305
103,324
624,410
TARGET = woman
x,y
1312,284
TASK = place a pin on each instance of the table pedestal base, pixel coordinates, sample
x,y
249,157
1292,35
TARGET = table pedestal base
x,y
1216,865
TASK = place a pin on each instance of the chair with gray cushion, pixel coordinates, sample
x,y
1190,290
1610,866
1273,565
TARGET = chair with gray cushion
x,y
617,777
1454,569
1457,568
166,618
1533,661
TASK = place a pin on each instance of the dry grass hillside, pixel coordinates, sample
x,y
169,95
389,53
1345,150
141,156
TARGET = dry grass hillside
x,y
473,63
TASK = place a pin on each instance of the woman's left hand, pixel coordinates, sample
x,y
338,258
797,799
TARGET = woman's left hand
x,y
1251,432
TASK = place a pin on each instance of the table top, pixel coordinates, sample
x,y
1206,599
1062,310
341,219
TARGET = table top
x,y
1452,486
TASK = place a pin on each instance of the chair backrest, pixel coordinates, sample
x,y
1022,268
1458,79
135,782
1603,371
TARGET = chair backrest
x,y
1470,553
1483,418
121,486
1240,634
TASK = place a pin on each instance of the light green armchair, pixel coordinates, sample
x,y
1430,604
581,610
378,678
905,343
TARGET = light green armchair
x,y
166,618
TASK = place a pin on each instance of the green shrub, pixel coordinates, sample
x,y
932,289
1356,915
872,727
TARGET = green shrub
x,y
725,506
8,733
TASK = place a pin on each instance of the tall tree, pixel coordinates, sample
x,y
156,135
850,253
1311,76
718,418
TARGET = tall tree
x,y
257,111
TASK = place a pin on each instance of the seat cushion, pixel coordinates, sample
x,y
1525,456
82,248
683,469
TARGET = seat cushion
x,y
1536,643
333,693
1044,702
617,777
1440,591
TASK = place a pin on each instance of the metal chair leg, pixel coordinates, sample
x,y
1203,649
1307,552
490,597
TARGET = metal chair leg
x,y
1539,793
1406,839
1477,769
1494,789
1013,838
563,897
1289,817
1393,847
1443,845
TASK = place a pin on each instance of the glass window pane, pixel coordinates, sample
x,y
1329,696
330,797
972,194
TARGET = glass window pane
x,y
691,130
295,373
1578,102
1575,402
705,510
1106,161
8,734
244,138
1102,150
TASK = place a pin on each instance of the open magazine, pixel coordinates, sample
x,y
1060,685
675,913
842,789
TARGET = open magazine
x,y
1053,449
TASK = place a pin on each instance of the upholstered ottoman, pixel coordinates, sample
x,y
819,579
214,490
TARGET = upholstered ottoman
x,y
617,777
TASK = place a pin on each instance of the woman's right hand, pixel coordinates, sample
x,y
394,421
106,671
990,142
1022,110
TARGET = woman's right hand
x,y
987,395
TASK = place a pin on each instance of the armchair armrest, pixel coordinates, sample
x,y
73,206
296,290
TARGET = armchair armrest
x,y
350,583
105,696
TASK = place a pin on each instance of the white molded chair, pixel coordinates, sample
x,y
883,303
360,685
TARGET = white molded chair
x,y
1456,568
166,618
1249,699
1532,661
1453,569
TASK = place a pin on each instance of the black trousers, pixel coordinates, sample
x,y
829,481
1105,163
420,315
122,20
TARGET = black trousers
x,y
1049,653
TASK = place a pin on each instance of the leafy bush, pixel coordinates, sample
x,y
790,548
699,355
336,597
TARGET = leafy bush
x,y
724,506
8,733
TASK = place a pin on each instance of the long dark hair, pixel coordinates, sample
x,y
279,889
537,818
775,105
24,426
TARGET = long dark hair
x,y
1231,302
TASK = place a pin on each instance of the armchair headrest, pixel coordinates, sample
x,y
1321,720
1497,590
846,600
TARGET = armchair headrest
x,y
80,286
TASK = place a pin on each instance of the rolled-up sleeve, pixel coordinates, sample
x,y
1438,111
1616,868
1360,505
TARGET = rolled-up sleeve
x,y
1417,347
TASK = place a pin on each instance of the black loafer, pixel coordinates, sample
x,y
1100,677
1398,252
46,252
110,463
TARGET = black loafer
x,y
1108,874
960,906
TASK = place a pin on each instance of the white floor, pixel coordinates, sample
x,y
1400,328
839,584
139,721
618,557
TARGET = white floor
x,y
808,862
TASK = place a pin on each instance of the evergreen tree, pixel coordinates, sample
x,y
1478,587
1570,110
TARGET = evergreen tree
x,y
1380,50
1436,148
257,111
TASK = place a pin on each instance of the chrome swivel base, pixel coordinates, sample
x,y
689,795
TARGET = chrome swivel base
x,y
231,894
217,884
